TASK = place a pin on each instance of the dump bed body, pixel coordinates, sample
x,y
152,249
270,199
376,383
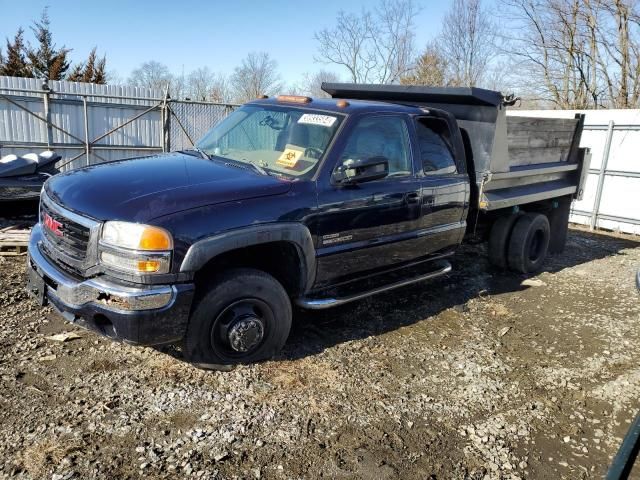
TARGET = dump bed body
x,y
514,160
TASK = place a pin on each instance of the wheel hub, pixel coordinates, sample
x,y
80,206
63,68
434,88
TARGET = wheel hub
x,y
245,334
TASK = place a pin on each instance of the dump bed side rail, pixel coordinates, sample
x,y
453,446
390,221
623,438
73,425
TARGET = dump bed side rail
x,y
543,164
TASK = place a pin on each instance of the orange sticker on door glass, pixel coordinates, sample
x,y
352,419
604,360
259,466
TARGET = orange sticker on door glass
x,y
289,157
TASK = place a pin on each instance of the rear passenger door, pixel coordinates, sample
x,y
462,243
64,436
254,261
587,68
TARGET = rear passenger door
x,y
444,184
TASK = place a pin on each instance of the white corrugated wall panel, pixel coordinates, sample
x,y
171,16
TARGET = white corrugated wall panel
x,y
589,196
621,197
18,125
625,151
596,141
67,112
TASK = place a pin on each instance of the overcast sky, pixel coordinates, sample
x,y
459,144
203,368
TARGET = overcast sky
x,y
187,34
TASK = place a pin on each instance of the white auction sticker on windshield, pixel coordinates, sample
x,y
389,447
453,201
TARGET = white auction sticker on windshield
x,y
315,119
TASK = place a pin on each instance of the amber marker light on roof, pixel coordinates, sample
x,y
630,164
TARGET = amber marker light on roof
x,y
294,99
342,104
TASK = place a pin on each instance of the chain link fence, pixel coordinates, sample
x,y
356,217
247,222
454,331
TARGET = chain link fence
x,y
189,121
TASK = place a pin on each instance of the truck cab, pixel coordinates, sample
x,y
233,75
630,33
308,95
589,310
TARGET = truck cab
x,y
289,200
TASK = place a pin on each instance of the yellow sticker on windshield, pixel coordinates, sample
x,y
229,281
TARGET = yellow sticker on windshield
x,y
289,157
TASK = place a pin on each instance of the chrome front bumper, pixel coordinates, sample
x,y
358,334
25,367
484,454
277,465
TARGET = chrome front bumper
x,y
138,314
76,294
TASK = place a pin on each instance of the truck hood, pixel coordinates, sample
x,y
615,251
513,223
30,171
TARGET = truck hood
x,y
144,188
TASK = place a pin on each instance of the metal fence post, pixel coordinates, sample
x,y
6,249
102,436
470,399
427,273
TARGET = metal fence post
x,y
162,139
601,175
166,123
47,112
86,128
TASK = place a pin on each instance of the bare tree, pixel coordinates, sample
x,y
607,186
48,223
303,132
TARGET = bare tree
x,y
151,74
312,83
257,75
207,86
114,78
220,90
178,86
618,59
500,75
578,53
296,88
546,37
374,46
430,68
467,42
200,84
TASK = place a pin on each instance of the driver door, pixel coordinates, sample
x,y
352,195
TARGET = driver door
x,y
369,226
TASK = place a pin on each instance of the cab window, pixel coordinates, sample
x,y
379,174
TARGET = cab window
x,y
434,143
385,136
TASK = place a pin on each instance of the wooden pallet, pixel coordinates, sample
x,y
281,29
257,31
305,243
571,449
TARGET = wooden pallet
x,y
14,241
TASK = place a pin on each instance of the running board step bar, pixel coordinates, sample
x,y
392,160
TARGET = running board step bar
x,y
317,303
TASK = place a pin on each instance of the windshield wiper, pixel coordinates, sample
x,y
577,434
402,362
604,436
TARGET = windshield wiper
x,y
254,167
204,154
200,153
259,169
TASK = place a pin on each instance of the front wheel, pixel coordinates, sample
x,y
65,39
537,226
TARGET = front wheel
x,y
242,316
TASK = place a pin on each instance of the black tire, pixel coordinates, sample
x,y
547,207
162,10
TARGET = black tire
x,y
499,240
241,316
529,243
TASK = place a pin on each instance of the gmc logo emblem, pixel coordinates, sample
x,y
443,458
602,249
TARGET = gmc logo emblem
x,y
53,225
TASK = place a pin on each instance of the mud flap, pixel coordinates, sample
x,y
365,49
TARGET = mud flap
x,y
559,223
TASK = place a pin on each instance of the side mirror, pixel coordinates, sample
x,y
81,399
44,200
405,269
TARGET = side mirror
x,y
353,171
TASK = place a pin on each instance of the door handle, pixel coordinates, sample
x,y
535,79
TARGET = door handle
x,y
412,197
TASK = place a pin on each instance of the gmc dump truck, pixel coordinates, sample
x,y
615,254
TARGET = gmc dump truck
x,y
300,201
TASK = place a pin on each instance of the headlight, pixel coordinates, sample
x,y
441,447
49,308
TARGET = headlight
x,y
136,236
135,248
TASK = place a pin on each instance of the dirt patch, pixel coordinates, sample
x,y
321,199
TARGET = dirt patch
x,y
482,374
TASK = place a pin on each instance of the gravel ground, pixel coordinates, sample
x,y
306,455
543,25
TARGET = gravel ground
x,y
481,374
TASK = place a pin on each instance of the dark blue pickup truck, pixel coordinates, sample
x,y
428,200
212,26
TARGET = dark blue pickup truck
x,y
293,200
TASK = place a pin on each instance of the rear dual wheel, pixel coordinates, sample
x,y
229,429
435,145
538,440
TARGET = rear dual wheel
x,y
529,243
499,240
520,242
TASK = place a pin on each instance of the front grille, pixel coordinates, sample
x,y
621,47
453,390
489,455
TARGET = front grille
x,y
73,239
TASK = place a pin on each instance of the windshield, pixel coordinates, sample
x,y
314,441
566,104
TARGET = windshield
x,y
283,140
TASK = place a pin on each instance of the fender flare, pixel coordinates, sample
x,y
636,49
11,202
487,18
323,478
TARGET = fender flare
x,y
206,249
